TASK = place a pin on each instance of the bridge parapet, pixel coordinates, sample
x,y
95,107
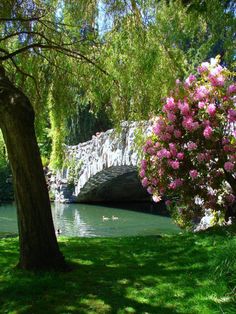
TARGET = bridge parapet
x,y
107,155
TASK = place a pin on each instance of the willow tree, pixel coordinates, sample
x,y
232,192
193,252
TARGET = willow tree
x,y
153,42
36,37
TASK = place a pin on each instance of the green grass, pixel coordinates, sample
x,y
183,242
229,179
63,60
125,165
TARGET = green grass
x,y
170,274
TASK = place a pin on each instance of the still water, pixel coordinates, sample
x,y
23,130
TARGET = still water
x,y
87,221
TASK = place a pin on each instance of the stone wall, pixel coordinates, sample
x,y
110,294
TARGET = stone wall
x,y
94,170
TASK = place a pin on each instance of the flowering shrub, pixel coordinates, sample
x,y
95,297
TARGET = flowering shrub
x,y
191,154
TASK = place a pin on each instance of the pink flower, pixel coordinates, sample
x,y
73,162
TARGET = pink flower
x,y
151,151
149,142
159,127
177,81
201,104
211,109
172,186
189,124
180,156
173,149
217,80
231,115
203,67
191,146
207,132
165,137
193,174
184,108
176,183
168,202
150,190
201,92
207,156
170,128
174,164
231,89
177,133
230,198
195,125
170,104
154,181
145,182
144,164
228,166
163,153
171,116
142,173
189,80
172,146
200,157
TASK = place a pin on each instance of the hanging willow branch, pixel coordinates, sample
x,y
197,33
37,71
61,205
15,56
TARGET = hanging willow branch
x,y
69,52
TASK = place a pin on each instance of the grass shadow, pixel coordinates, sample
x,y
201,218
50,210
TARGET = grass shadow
x,y
170,274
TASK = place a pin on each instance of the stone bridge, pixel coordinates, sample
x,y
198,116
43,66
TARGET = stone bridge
x,y
103,169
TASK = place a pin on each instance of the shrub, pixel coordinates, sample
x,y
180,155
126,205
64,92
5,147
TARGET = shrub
x,y
191,153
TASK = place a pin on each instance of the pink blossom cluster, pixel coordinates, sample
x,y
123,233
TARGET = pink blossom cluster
x,y
176,183
192,149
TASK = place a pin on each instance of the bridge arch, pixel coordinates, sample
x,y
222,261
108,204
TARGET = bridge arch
x,y
114,184
105,168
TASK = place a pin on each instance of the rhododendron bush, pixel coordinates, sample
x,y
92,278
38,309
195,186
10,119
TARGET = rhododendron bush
x,y
190,157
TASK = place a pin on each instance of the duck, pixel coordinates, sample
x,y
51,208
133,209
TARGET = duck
x,y
104,218
115,217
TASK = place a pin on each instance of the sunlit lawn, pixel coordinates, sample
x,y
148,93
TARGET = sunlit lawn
x,y
170,274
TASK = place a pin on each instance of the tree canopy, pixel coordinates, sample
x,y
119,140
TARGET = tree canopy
x,y
56,51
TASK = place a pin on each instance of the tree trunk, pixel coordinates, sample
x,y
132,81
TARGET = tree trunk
x,y
38,244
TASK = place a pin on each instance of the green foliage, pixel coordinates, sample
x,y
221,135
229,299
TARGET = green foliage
x,y
73,166
144,56
84,122
122,73
3,160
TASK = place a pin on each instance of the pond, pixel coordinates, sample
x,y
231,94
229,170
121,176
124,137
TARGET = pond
x,y
85,220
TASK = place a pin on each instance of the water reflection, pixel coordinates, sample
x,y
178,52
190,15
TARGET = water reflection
x,y
87,221
69,220
8,221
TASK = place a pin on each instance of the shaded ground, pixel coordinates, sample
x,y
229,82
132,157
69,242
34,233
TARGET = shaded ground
x,y
174,274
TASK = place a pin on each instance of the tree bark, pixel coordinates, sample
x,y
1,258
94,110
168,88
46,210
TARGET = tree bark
x,y
38,244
